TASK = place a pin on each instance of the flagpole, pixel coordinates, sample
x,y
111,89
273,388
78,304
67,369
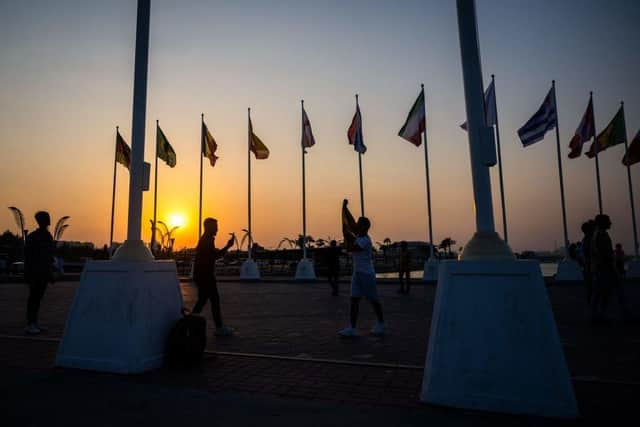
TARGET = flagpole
x,y
360,169
504,209
155,192
113,194
304,192
249,245
596,148
631,199
426,168
564,210
201,155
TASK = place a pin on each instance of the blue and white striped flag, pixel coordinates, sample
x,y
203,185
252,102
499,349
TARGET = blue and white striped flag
x,y
545,119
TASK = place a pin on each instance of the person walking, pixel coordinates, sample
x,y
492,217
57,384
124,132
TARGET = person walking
x,y
404,268
363,280
606,276
204,274
38,268
333,266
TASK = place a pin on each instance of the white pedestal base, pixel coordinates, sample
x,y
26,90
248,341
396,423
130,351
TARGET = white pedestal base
x,y
633,269
430,270
568,271
493,344
305,271
121,316
249,270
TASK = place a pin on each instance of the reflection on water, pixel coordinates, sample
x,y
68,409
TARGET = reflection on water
x,y
548,270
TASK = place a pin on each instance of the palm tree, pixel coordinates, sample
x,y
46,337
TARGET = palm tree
x,y
291,242
446,245
17,215
60,227
320,243
384,246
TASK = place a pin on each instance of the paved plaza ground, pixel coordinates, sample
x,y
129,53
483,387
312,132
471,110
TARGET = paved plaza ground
x,y
286,366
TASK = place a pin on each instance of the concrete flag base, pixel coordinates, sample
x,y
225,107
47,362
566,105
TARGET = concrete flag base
x,y
430,270
494,345
121,317
249,270
569,271
633,269
305,271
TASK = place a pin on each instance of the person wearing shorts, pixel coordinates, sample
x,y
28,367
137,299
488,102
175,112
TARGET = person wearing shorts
x,y
363,280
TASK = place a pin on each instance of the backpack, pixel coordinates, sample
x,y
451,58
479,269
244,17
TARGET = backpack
x,y
187,341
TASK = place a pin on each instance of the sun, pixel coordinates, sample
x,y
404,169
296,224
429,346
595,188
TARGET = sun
x,y
177,220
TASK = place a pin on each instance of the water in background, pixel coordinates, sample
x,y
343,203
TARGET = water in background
x,y
548,270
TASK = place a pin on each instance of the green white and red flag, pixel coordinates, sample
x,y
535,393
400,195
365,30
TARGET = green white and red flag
x,y
415,124
632,156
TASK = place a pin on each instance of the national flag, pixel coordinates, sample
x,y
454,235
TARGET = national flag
x,y
586,130
614,134
164,149
355,132
307,134
632,156
123,152
490,108
545,119
415,124
256,145
209,145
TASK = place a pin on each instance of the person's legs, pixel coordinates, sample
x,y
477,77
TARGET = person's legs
x,y
377,308
408,273
400,275
36,292
355,308
214,297
202,298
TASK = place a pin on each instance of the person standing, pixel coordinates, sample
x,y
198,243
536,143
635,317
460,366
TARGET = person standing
x,y
363,280
38,268
588,229
619,257
404,268
333,266
204,274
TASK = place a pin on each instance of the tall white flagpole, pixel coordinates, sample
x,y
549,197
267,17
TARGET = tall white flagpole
x,y
155,192
631,199
426,168
564,210
304,192
250,236
504,209
201,155
360,165
134,248
113,193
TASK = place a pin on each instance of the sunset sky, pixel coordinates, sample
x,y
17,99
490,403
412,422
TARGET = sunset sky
x,y
66,81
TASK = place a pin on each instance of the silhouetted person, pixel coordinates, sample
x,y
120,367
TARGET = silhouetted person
x,y
38,268
619,257
333,266
588,228
606,276
204,274
363,281
404,268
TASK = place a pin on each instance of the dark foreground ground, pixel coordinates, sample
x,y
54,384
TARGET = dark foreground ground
x,y
287,367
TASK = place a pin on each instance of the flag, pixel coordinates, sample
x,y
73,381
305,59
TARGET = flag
x,y
256,145
164,149
355,133
632,156
586,130
545,119
307,134
614,134
209,145
416,122
490,108
123,152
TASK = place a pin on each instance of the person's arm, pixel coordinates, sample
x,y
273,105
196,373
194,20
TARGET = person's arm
x,y
222,251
